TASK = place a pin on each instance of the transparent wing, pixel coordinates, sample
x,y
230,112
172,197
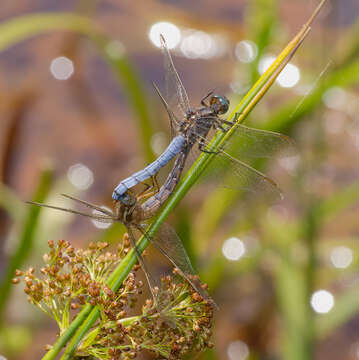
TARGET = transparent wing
x,y
99,214
176,94
248,143
234,174
170,245
229,167
150,279
173,120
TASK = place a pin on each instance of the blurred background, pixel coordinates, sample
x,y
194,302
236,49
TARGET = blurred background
x,y
78,114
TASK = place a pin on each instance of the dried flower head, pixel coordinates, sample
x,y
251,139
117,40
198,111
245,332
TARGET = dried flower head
x,y
177,323
71,278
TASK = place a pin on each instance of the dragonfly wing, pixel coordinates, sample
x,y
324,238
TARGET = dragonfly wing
x,y
173,120
237,175
170,245
249,143
150,279
176,94
89,205
96,216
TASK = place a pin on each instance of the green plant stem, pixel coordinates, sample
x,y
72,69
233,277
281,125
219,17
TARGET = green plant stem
x,y
70,331
291,296
26,238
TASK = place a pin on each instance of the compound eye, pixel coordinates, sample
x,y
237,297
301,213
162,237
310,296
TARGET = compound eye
x,y
222,103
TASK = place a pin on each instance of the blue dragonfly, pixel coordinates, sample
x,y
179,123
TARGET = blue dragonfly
x,y
191,126
194,127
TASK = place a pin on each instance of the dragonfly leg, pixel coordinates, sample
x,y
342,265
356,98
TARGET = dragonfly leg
x,y
217,123
229,122
219,126
147,188
202,147
236,116
150,189
226,122
206,97
155,183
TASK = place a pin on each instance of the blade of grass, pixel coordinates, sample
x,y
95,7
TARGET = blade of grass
x,y
11,203
291,293
21,28
244,108
26,239
262,23
338,202
114,53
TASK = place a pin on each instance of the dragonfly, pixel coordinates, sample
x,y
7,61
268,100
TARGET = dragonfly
x,y
134,215
194,127
191,126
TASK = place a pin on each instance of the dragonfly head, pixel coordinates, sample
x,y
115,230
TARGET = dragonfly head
x,y
127,199
220,104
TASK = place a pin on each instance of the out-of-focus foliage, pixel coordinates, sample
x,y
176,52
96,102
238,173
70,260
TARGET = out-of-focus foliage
x,y
290,248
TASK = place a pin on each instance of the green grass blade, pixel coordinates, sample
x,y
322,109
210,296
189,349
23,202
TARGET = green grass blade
x,y
26,239
21,28
70,331
11,203
114,54
338,202
262,23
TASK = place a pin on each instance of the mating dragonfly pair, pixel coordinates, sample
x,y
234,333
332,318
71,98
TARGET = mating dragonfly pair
x,y
190,128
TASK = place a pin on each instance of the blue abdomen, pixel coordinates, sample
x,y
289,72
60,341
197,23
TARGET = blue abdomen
x,y
172,150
